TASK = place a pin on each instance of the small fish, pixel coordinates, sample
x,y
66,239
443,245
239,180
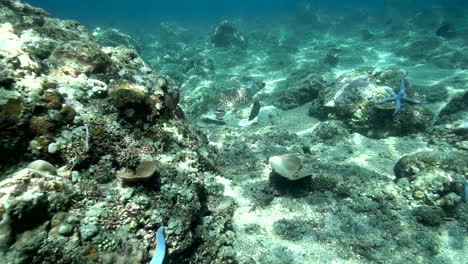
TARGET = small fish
x,y
160,253
255,110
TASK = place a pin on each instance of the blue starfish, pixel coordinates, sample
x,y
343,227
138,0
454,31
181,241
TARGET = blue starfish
x,y
398,98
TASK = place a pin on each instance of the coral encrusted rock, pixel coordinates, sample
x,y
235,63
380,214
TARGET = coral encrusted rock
x,y
353,99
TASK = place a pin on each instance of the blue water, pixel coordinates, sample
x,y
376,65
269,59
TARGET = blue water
x,y
147,14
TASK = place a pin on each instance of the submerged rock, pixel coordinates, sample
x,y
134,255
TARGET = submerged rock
x,y
143,173
457,105
43,166
227,35
434,179
28,199
353,99
296,92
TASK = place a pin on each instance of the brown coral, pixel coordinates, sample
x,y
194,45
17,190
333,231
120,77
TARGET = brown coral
x,y
12,108
125,95
40,125
68,113
133,100
54,100
8,129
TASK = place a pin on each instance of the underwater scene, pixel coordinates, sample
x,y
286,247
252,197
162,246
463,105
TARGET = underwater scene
x,y
247,132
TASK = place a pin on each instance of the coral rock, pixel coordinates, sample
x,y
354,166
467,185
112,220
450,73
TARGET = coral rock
x,y
40,125
144,173
28,199
54,100
133,100
77,57
354,98
227,35
43,166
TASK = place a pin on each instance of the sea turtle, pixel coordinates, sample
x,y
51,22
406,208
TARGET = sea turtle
x,y
235,99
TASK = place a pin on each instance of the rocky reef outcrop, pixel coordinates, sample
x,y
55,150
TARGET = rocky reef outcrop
x,y
354,99
226,34
434,182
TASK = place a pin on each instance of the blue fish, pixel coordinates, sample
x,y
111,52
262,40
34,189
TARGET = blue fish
x,y
160,253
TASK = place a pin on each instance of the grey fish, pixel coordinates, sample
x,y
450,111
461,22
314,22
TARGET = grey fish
x,y
290,166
